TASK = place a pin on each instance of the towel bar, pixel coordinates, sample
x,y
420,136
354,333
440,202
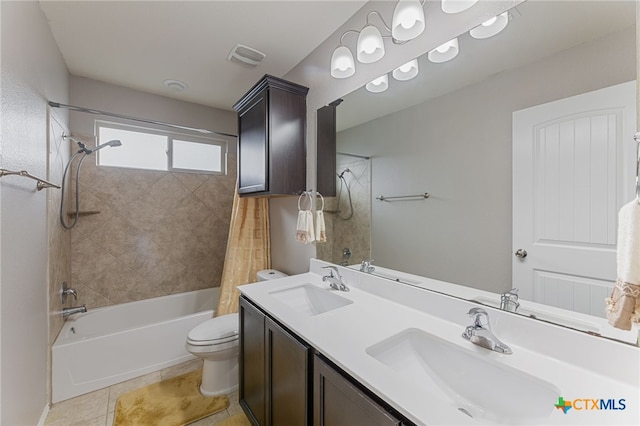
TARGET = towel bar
x,y
405,197
42,184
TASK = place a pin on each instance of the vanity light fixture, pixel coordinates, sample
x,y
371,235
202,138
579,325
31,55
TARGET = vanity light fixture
x,y
370,45
407,71
445,52
342,63
490,27
378,85
456,6
177,85
408,20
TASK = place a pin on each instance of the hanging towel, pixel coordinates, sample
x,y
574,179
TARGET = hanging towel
x,y
623,307
321,232
304,231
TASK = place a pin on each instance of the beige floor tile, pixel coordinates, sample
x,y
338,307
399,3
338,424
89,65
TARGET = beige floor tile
x,y
129,385
234,404
81,409
179,369
110,416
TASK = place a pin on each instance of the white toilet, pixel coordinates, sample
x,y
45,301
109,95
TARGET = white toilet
x,y
217,342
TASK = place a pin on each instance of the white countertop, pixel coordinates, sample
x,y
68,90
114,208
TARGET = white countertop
x,y
580,366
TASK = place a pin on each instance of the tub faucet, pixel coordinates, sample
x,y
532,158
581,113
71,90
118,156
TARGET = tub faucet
x,y
74,310
335,279
481,335
67,291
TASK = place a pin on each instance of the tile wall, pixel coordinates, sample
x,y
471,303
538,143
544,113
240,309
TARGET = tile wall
x,y
143,234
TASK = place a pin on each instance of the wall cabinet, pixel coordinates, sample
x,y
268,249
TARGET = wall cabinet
x,y
272,120
275,371
282,382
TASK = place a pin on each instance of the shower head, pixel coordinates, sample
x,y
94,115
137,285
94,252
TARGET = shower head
x,y
343,172
114,142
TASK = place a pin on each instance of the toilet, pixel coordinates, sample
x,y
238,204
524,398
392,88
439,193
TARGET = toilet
x,y
217,342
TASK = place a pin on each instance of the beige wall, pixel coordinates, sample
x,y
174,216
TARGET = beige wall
x,y
156,233
458,148
33,72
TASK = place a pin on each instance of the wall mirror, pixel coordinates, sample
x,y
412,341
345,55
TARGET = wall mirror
x,y
449,132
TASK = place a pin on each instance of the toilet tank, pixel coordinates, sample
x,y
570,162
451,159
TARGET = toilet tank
x,y
270,274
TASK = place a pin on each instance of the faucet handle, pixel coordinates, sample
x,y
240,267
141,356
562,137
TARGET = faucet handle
x,y
477,314
333,269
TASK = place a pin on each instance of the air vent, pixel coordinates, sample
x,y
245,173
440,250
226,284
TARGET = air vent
x,y
246,56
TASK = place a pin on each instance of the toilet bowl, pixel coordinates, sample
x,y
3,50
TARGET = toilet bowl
x,y
217,342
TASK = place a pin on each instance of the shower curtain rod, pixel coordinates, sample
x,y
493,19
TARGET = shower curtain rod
x,y
142,120
353,155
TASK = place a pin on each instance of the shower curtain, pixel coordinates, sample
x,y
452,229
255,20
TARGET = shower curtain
x,y
248,249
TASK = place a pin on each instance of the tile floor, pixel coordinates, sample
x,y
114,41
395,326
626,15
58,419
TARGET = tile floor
x,y
97,408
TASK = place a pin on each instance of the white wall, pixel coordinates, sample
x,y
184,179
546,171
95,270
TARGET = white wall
x,y
458,148
32,73
313,72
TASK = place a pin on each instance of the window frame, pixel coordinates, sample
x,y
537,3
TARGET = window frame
x,y
170,137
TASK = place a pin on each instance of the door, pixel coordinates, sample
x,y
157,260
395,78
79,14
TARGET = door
x,y
573,168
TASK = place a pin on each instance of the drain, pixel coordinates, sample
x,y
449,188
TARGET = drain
x,y
73,330
465,411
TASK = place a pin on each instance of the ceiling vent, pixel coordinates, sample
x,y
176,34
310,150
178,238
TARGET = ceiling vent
x,y
246,56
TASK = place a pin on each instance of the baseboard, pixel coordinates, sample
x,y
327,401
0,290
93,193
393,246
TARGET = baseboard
x,y
43,416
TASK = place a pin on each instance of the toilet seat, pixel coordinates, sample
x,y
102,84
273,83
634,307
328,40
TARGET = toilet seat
x,y
216,331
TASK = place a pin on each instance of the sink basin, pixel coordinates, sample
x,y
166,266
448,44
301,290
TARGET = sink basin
x,y
476,385
310,300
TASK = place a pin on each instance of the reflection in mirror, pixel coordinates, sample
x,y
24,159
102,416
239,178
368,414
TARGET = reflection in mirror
x,y
449,132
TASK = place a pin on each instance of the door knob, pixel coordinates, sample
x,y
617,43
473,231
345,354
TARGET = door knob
x,y
521,253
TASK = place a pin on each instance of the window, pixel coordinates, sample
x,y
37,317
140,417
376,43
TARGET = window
x,y
156,150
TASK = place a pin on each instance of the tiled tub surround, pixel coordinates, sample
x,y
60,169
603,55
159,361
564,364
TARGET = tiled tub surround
x,y
115,343
156,233
578,365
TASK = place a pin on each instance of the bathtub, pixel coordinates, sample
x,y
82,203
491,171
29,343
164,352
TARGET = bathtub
x,y
109,345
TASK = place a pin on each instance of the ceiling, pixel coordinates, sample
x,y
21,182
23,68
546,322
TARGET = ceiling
x,y
139,44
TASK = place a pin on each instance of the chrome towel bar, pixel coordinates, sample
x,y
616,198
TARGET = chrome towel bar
x,y
404,197
42,184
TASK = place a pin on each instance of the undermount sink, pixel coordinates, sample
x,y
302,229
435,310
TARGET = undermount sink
x,y
310,300
477,386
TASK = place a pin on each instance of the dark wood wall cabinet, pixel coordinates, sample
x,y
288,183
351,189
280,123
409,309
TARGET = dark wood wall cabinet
x,y
272,120
284,381
326,148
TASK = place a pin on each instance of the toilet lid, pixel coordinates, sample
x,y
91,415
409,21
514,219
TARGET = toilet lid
x,y
216,330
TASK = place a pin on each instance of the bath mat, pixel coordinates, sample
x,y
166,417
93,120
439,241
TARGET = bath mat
x,y
237,420
172,402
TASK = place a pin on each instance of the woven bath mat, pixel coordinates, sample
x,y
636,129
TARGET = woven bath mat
x,y
172,402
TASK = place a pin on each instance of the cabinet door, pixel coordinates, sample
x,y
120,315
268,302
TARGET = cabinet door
x,y
253,172
288,372
337,402
252,363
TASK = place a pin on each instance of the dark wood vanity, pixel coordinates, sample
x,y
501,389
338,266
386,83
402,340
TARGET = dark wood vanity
x,y
285,381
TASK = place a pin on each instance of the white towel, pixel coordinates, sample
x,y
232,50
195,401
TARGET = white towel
x,y
304,228
623,307
321,232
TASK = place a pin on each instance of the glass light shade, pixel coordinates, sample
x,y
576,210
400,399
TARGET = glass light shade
x,y
456,6
445,52
342,63
491,27
408,20
378,85
406,71
370,45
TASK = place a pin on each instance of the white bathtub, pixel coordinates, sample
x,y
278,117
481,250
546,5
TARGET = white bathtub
x,y
116,343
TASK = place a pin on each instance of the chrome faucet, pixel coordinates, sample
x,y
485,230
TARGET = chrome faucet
x,y
509,300
335,279
67,291
74,310
366,266
481,335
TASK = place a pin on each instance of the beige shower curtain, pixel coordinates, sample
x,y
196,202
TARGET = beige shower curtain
x,y
248,249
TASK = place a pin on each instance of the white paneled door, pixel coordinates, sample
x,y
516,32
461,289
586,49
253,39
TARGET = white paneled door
x,y
573,168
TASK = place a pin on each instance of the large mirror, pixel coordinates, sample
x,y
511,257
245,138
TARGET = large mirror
x,y
449,132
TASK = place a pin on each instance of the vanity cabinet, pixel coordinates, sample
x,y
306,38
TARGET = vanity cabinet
x,y
282,381
338,402
275,371
271,138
